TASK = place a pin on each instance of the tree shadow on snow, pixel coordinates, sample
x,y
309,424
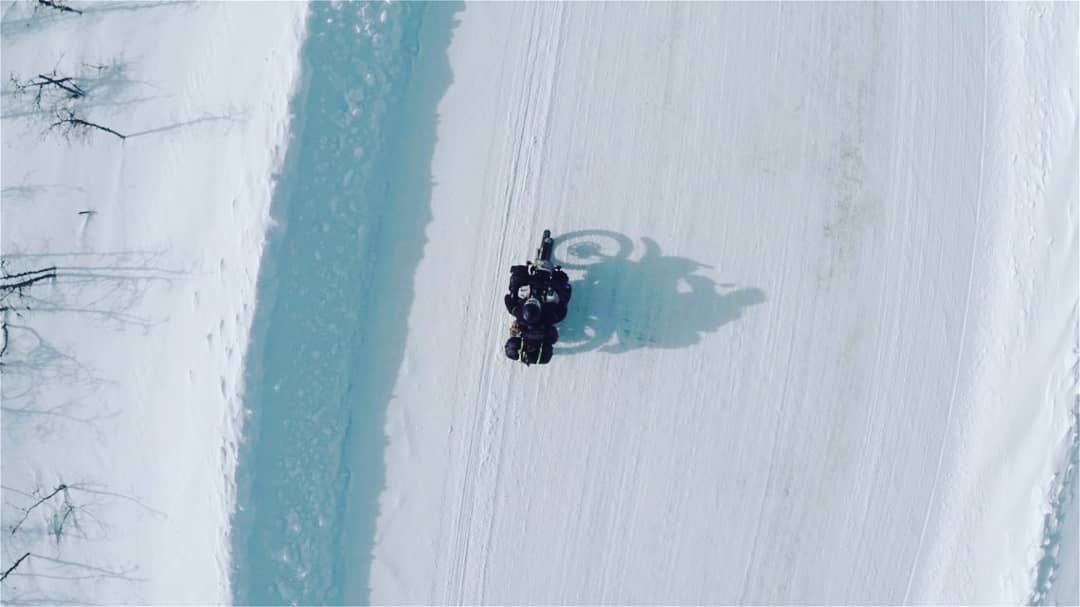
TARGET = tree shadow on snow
x,y
656,301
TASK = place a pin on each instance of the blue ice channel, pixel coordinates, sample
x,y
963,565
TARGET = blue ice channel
x,y
335,288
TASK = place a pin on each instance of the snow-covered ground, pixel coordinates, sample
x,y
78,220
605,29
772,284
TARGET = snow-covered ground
x,y
822,342
823,346
123,380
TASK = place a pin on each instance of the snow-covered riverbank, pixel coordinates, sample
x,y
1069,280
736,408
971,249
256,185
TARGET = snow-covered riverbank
x,y
123,381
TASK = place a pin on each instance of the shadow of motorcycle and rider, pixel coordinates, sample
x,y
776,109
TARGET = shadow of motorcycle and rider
x,y
655,301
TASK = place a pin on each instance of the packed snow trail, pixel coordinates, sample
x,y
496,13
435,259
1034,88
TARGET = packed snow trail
x,y
806,242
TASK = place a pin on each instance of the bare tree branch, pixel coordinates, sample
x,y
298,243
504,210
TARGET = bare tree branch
x,y
28,278
60,6
69,123
116,574
59,520
65,83
66,86
26,511
29,272
12,568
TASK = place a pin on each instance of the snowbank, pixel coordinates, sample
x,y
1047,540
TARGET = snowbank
x,y
122,380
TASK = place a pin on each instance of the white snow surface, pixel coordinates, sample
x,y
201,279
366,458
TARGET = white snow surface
x,y
833,362
837,365
123,379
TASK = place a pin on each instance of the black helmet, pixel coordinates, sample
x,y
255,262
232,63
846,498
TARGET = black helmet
x,y
531,311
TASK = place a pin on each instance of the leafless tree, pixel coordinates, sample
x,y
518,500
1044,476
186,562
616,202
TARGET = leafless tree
x,y
61,516
18,562
66,86
71,124
12,288
58,96
67,505
59,5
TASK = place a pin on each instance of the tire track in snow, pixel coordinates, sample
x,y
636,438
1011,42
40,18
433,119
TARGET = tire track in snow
x,y
486,427
967,309
769,479
535,156
496,224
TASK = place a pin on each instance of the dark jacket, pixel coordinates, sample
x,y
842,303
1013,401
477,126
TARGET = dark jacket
x,y
539,283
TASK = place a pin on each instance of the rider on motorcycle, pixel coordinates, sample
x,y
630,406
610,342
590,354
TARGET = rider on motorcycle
x,y
538,295
538,299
